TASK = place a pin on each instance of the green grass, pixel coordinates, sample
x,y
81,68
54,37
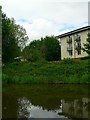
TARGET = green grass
x,y
66,71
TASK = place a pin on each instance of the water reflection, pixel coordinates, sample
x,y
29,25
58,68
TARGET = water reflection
x,y
24,106
26,109
46,101
77,108
72,109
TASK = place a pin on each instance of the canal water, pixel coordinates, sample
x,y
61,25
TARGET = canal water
x,y
46,101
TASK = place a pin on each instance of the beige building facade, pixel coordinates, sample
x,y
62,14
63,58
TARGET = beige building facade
x,y
73,42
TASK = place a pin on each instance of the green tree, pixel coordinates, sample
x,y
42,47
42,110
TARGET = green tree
x,y
21,36
13,37
87,45
26,53
51,48
47,48
32,52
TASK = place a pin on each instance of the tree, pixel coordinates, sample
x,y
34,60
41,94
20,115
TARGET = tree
x,y
21,36
47,48
9,44
51,48
87,45
32,52
13,37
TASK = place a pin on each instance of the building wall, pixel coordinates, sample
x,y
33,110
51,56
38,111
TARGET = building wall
x,y
64,45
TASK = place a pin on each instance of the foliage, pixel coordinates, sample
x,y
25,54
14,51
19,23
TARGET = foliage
x,y
68,61
13,37
46,72
21,36
52,48
32,53
87,45
26,52
47,48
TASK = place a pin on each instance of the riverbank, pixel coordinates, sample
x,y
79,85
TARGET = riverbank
x,y
66,71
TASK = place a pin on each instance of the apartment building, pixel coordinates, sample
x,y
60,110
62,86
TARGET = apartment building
x,y
72,42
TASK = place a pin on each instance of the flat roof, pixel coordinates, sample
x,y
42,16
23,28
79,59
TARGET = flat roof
x,y
74,31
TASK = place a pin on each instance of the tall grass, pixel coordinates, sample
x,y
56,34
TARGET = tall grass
x,y
66,71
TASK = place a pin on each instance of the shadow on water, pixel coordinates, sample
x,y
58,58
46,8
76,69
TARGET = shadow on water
x,y
46,101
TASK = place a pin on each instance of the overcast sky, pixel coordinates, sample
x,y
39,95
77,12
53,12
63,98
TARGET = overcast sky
x,y
47,17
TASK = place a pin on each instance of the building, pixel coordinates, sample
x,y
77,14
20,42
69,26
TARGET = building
x,y
72,42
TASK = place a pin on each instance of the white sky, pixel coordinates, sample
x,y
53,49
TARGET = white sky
x,y
47,17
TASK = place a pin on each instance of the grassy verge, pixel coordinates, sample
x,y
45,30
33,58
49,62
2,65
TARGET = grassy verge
x,y
66,71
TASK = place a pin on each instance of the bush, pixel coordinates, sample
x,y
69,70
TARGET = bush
x,y
66,71
85,58
68,61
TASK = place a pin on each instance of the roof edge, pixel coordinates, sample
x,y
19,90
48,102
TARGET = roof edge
x,y
74,31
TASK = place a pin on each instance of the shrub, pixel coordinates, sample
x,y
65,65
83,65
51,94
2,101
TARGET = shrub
x,y
68,61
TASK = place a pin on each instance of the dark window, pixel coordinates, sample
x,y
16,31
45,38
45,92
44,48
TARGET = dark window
x,y
69,48
79,52
69,39
77,37
70,53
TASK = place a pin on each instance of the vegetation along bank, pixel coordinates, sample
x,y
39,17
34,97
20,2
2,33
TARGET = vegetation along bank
x,y
66,71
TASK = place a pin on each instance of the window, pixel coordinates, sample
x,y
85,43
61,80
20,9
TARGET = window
x,y
79,52
78,46
70,53
78,43
77,37
69,48
69,39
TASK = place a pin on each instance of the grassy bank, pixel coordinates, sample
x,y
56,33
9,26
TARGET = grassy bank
x,y
67,71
